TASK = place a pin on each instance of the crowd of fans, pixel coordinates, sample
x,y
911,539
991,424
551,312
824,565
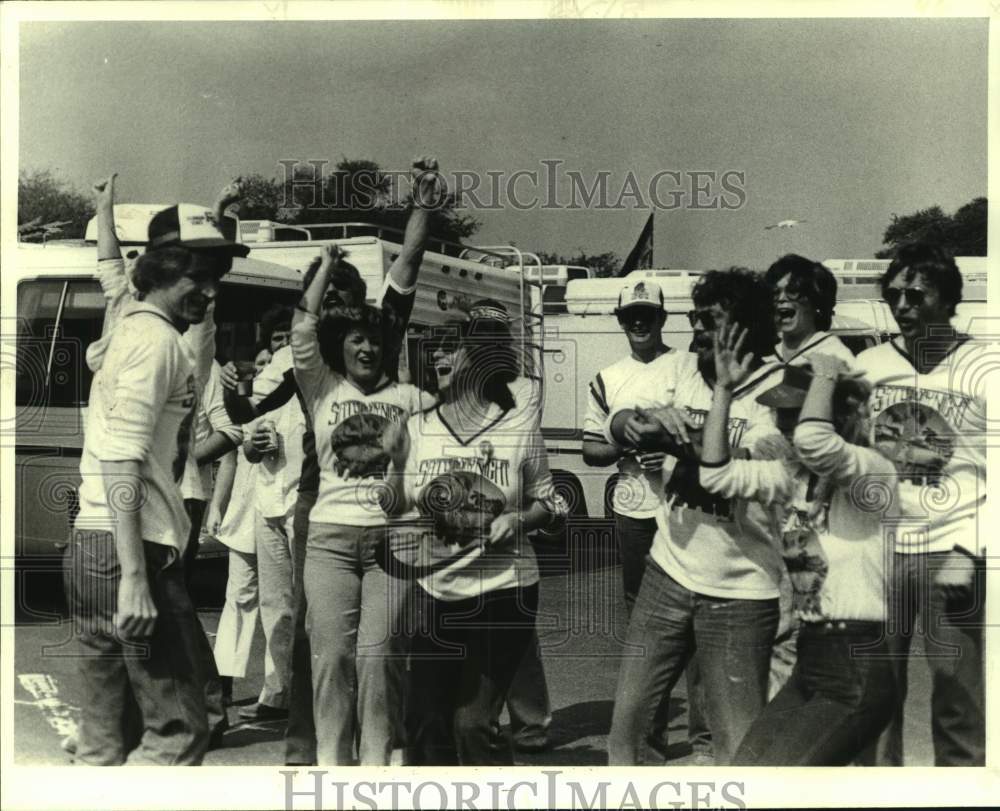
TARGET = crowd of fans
x,y
788,515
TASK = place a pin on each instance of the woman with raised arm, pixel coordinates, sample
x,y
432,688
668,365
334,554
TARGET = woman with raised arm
x,y
340,365
474,476
840,693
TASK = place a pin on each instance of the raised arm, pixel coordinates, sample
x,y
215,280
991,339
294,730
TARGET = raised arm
x,y
730,370
104,204
229,194
310,369
428,190
821,448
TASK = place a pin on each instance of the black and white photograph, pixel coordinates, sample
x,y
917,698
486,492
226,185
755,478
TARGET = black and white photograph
x,y
580,390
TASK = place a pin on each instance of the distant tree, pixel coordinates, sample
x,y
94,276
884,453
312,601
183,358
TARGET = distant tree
x,y
261,199
48,206
603,264
357,190
963,233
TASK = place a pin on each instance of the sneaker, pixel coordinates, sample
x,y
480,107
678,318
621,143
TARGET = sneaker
x,y
262,712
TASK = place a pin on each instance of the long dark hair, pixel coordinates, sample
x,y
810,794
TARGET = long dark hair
x,y
491,355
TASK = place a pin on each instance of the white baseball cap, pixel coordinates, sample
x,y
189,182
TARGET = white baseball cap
x,y
641,293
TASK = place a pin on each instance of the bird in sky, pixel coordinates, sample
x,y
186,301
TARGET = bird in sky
x,y
785,224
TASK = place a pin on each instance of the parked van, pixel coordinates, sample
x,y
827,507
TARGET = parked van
x,y
586,339
60,311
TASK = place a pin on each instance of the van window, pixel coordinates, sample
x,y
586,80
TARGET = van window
x,y
554,299
57,320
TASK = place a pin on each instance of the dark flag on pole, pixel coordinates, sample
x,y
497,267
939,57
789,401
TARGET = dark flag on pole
x,y
641,256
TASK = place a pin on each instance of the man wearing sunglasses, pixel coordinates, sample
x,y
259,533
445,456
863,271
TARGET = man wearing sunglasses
x,y
928,409
644,377
712,576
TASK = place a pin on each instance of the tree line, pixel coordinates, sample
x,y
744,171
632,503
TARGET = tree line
x,y
358,190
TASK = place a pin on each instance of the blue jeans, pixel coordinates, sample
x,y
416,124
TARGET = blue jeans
x,y
839,697
733,639
952,632
635,539
156,684
353,613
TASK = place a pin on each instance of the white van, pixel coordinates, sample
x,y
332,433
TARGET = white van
x,y
587,338
60,311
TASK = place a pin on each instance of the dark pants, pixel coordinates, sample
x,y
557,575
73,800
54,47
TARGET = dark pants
x,y
952,633
153,683
733,639
300,736
837,700
527,702
218,720
463,657
635,539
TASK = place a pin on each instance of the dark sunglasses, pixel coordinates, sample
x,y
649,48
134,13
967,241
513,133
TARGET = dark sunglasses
x,y
792,296
914,296
705,316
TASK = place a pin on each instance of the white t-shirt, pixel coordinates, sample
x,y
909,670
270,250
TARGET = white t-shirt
x,y
819,342
348,424
142,402
626,384
277,478
933,426
501,469
712,545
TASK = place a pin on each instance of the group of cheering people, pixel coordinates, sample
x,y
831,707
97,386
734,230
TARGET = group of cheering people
x,y
771,504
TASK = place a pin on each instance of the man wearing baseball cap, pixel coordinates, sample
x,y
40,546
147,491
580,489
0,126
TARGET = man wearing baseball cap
x,y
643,378
142,664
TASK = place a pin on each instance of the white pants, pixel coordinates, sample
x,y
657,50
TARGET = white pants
x,y
277,605
240,616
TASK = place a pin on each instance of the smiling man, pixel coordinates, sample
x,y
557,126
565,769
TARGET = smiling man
x,y
928,409
628,383
141,643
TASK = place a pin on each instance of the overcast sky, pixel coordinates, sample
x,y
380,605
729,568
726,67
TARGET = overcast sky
x,y
837,122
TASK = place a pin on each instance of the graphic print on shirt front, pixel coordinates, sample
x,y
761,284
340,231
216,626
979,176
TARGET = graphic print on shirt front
x,y
916,429
684,489
462,495
357,439
803,554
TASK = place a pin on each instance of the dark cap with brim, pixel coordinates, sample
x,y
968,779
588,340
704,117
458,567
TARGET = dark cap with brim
x,y
192,227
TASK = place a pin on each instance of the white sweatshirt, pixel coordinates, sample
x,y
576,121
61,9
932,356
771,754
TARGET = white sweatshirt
x,y
934,426
836,553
